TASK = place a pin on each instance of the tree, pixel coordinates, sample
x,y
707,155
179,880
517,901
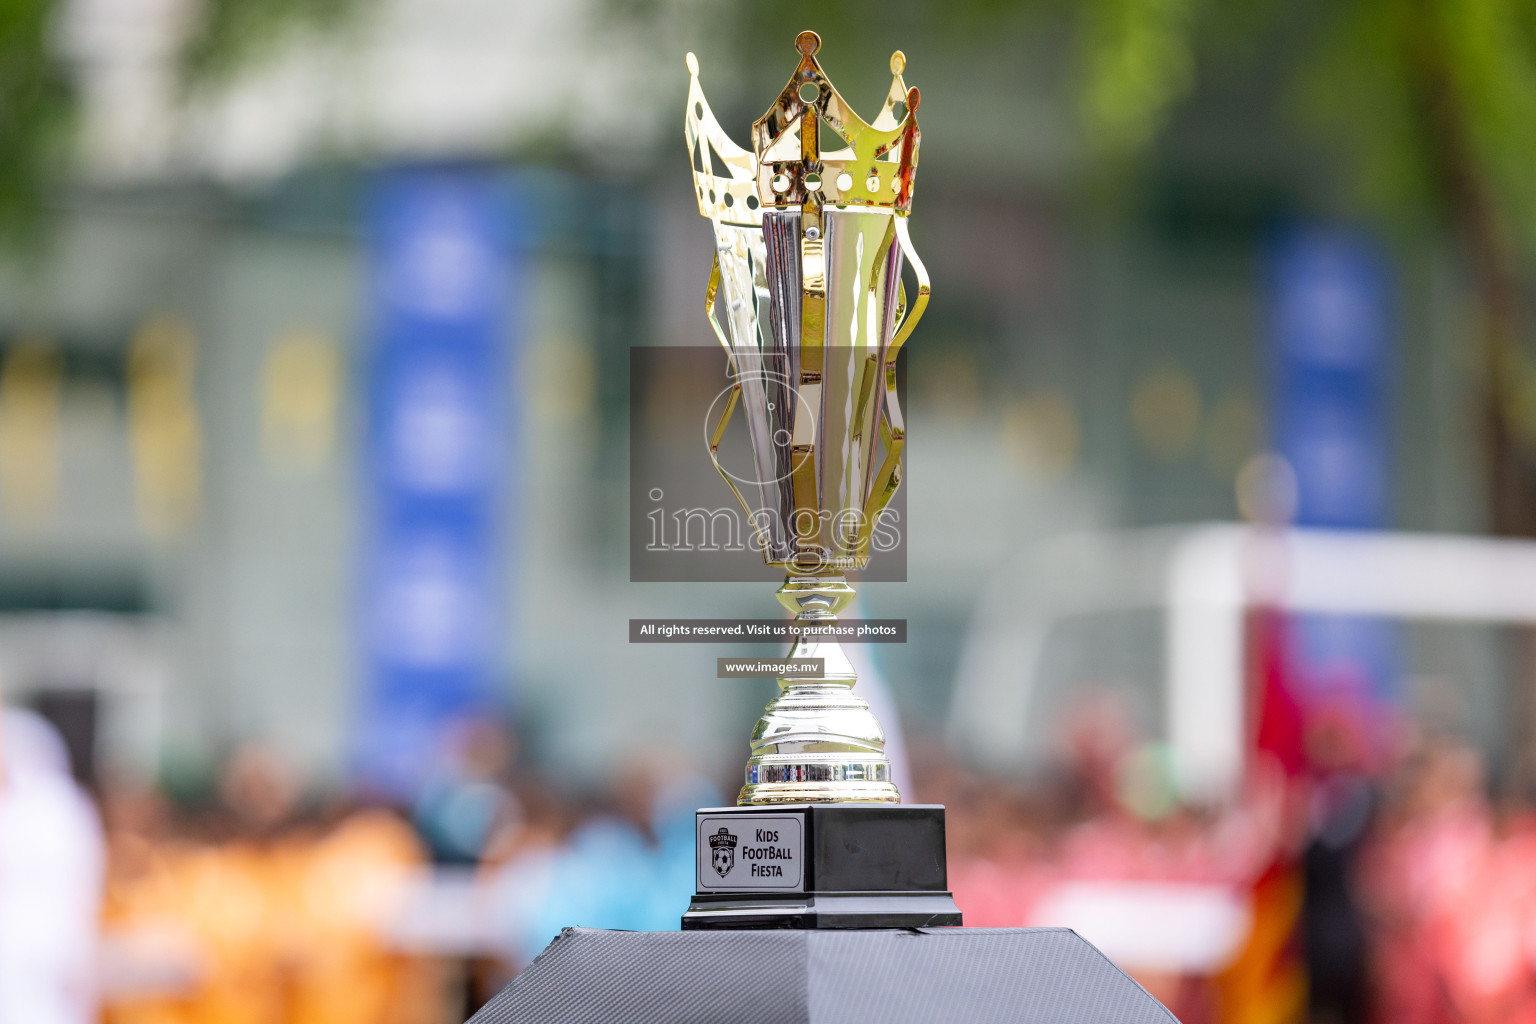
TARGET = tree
x,y
1429,106
35,105
37,98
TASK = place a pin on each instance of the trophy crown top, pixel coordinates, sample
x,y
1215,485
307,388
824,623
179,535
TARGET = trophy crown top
x,y
809,149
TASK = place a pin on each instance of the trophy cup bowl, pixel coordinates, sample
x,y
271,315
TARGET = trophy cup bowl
x,y
806,296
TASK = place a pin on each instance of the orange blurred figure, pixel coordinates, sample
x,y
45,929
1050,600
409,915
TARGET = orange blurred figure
x,y
281,925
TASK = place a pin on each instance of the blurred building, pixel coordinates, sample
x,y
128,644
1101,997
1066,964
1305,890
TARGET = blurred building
x,y
183,368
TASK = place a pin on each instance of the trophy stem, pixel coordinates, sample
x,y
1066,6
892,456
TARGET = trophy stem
x,y
817,741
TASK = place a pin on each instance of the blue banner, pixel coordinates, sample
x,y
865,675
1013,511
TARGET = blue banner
x,y
439,277
1330,303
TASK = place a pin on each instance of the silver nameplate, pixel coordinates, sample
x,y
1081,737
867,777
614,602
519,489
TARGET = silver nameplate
x,y
738,852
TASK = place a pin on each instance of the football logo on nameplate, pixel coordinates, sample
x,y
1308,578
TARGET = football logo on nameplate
x,y
722,856
750,852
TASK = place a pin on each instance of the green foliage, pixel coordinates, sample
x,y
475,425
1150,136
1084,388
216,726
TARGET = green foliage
x,y
35,106
1489,75
1358,90
1137,59
1429,96
37,99
1417,98
230,34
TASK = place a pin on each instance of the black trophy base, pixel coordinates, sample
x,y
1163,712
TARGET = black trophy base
x,y
821,866
955,975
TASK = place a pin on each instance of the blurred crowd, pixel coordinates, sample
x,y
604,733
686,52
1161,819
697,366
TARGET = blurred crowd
x,y
1368,879
256,903
1374,878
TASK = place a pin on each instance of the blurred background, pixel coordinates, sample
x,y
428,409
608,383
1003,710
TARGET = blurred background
x,y
314,332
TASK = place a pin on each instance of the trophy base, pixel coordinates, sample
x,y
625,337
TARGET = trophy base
x,y
910,976
821,865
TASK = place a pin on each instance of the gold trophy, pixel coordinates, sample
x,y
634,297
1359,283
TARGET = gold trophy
x,y
807,300
806,297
